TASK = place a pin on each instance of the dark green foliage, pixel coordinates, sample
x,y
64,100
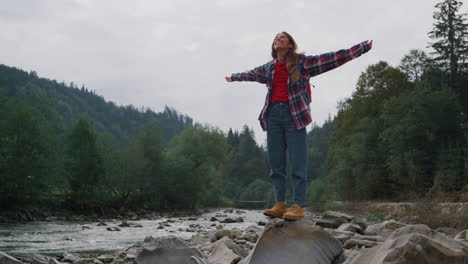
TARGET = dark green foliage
x,y
23,154
450,32
83,164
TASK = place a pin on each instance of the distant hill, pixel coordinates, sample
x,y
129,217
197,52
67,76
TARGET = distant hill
x,y
64,104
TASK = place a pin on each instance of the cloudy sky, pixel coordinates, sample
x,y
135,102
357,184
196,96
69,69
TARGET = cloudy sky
x,y
176,53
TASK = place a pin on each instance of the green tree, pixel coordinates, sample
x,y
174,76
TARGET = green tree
x,y
23,154
450,35
83,163
194,168
415,64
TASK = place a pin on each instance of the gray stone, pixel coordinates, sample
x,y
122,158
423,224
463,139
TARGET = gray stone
x,y
383,228
195,260
7,259
41,259
68,257
351,243
330,223
299,242
220,233
106,258
113,228
167,250
221,253
414,244
462,236
350,227
337,215
341,236
84,261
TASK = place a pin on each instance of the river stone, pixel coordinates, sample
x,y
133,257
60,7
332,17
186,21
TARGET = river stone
x,y
167,250
462,236
7,259
41,259
68,257
298,242
383,228
337,215
330,223
350,227
414,244
220,233
195,260
341,236
351,243
221,253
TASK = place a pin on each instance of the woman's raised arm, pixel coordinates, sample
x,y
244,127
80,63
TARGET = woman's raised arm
x,y
259,74
315,65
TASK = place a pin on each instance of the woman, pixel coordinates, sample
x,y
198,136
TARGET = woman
x,y
286,113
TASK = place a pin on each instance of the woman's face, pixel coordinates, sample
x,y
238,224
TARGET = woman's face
x,y
281,41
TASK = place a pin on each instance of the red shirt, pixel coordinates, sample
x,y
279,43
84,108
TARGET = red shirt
x,y
279,92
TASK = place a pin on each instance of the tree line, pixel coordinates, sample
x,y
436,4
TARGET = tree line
x,y
402,134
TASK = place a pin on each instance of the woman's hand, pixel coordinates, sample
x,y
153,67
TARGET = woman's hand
x,y
228,79
369,43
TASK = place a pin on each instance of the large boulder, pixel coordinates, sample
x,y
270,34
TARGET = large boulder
x,y
414,244
168,250
7,259
224,251
298,242
384,228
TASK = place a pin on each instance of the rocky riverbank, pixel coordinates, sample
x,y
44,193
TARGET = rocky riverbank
x,y
331,237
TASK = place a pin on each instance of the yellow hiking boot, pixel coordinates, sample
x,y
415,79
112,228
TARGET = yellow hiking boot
x,y
296,212
276,211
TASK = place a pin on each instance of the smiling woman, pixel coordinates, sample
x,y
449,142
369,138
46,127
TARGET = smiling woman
x,y
286,113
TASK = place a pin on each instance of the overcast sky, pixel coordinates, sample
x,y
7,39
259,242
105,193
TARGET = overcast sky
x,y
177,53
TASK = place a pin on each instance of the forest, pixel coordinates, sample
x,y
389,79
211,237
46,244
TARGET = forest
x,y
403,134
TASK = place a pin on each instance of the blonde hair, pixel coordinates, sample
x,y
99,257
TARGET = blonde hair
x,y
291,57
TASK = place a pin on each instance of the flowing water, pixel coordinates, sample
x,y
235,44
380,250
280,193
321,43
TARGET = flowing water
x,y
53,238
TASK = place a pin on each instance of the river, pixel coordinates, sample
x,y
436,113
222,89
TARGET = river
x,y
54,238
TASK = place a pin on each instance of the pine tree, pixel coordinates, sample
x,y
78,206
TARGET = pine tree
x,y
450,33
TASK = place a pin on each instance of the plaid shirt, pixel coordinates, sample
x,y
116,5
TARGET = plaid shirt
x,y
308,66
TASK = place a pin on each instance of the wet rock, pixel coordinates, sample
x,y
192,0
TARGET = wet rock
x,y
251,237
229,220
462,236
85,261
253,229
220,253
261,223
350,227
383,228
220,233
447,231
413,244
68,257
352,243
7,259
167,250
41,259
330,223
83,227
195,260
341,236
105,258
337,215
101,223
299,242
213,219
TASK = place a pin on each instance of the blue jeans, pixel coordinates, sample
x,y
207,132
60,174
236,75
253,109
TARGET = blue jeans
x,y
282,136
